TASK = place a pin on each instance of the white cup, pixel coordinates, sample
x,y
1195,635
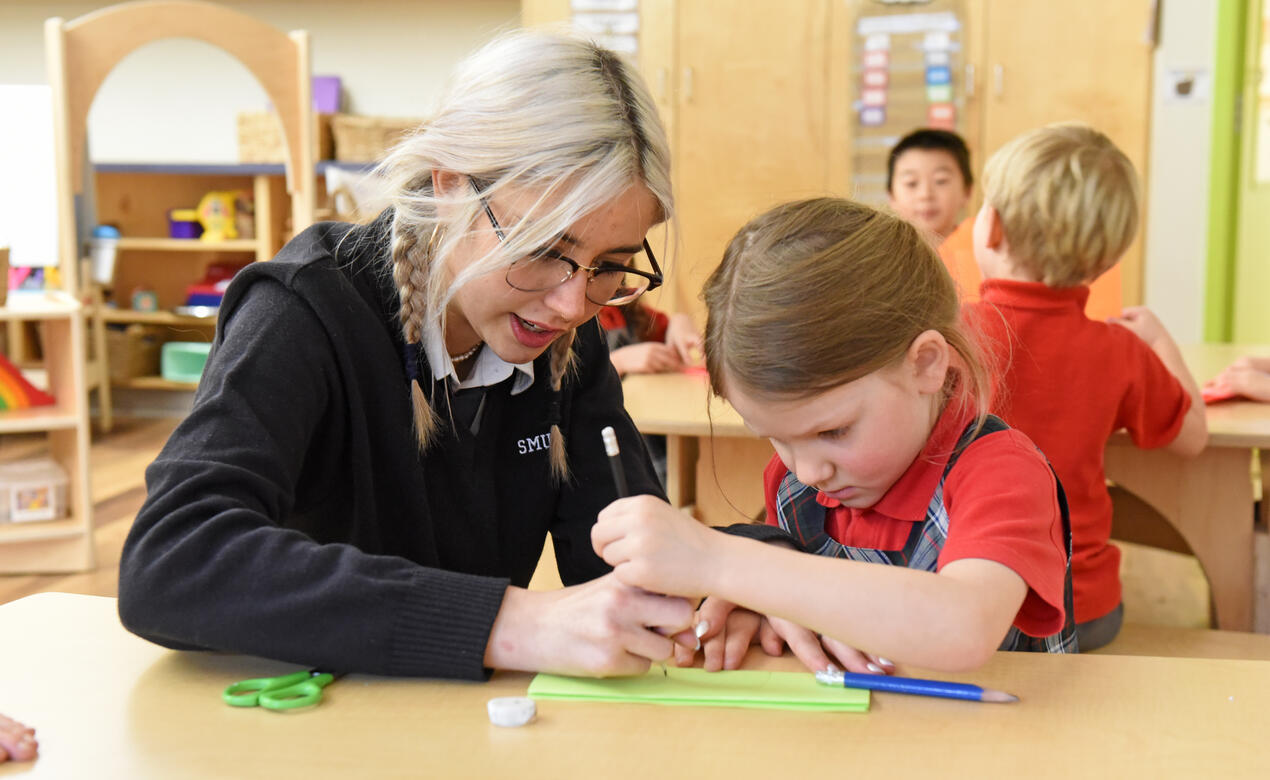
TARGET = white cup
x,y
103,249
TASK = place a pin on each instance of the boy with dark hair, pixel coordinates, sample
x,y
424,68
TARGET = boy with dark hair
x,y
929,181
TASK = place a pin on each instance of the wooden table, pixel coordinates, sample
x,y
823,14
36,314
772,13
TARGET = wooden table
x,y
107,704
681,407
1208,499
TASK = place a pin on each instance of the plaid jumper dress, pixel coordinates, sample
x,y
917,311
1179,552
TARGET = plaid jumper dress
x,y
799,514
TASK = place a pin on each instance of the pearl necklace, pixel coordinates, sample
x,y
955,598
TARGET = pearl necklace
x,y
456,359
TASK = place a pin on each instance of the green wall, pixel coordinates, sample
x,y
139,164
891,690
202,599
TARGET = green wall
x,y
1224,180
1250,321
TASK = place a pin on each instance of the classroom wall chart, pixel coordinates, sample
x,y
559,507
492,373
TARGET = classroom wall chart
x,y
907,70
611,23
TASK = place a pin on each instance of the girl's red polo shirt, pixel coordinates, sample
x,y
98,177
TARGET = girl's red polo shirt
x,y
1002,506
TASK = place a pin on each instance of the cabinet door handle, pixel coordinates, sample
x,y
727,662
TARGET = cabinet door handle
x,y
998,79
687,84
663,84
969,86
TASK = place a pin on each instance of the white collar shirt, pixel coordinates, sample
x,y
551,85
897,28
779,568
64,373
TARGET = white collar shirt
x,y
489,370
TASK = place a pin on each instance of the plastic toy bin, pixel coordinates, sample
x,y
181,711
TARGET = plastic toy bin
x,y
32,490
183,361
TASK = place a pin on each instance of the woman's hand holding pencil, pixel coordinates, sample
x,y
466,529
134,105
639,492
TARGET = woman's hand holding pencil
x,y
600,628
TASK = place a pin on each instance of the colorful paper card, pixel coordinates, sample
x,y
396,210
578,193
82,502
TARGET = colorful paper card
x,y
939,93
877,59
1214,391
697,687
872,116
873,97
878,42
941,115
875,78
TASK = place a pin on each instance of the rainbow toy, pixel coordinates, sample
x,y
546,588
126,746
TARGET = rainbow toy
x,y
16,392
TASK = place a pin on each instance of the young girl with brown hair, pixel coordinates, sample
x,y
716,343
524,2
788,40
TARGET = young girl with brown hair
x,y
936,534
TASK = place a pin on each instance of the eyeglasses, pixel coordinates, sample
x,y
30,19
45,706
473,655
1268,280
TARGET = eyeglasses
x,y
608,284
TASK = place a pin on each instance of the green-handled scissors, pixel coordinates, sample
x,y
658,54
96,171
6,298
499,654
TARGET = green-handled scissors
x,y
284,692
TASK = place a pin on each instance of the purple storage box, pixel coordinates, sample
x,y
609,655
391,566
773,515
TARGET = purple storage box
x,y
326,94
183,223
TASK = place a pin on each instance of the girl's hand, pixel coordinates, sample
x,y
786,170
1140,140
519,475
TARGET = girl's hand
x,y
682,335
1244,378
1254,362
811,648
17,741
649,357
597,629
652,545
726,635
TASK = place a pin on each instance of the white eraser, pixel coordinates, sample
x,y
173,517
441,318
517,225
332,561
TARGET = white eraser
x,y
511,710
610,441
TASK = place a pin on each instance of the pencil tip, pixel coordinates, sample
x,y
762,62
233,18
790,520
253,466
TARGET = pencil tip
x,y
998,696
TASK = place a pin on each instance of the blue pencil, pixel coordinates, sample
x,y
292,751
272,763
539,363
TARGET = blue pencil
x,y
914,686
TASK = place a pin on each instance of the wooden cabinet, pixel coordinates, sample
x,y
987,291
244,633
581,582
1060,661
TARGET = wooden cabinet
x,y
65,544
1083,60
752,121
136,198
752,96
758,97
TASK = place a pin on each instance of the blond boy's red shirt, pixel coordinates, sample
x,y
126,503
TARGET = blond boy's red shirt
x,y
1002,506
1069,382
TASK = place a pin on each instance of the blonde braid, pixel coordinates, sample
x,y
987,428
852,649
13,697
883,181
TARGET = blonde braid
x,y
411,279
562,360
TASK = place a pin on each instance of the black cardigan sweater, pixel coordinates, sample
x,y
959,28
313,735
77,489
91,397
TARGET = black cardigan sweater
x,y
291,516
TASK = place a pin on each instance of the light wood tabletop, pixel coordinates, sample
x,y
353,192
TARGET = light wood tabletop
x,y
1209,499
106,704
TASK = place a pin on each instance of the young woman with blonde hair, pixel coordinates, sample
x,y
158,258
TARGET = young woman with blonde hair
x,y
936,534
394,415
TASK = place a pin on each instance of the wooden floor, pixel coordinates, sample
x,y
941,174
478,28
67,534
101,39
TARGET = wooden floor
x,y
1161,588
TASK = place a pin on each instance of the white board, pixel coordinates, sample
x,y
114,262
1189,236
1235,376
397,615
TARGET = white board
x,y
28,180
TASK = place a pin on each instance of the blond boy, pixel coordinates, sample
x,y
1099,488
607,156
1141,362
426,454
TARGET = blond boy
x,y
1060,208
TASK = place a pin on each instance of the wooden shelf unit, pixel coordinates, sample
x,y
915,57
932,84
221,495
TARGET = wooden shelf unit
x,y
189,245
128,316
66,544
136,198
157,383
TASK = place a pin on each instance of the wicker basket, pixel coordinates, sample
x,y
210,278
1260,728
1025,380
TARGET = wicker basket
x,y
260,138
367,138
134,351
